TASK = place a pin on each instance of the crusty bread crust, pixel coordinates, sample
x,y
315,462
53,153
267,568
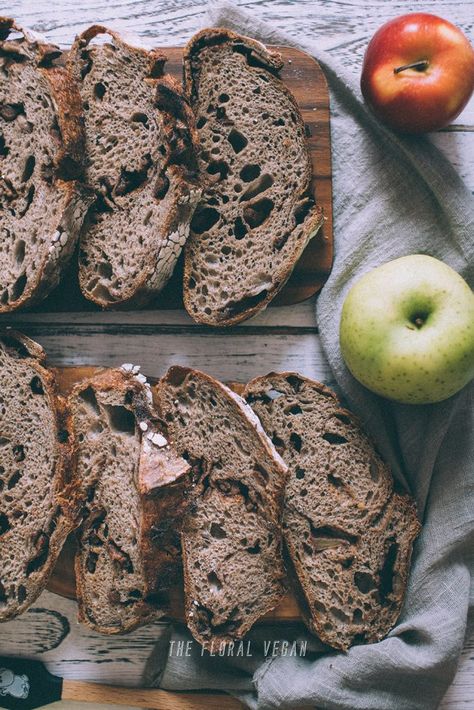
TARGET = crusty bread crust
x,y
359,549
67,167
313,220
160,481
178,167
65,502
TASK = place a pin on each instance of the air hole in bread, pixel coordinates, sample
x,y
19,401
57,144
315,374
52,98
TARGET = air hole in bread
x,y
10,111
201,122
120,419
278,442
139,117
240,230
386,573
87,395
204,219
29,199
259,185
21,594
214,582
105,270
99,90
295,441
132,179
4,150
257,213
334,480
237,140
254,549
19,453
339,615
91,562
218,167
63,436
14,480
249,172
364,582
300,473
217,531
29,167
262,472
4,523
161,187
334,439
245,304
19,252
3,595
18,287
293,409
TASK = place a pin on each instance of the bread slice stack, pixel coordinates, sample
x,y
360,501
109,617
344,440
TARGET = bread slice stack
x,y
231,536
257,214
140,145
37,500
131,484
42,205
348,533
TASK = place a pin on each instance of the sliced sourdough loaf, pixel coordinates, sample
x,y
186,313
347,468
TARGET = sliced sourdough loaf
x,y
140,141
42,206
231,538
131,485
257,215
37,501
349,536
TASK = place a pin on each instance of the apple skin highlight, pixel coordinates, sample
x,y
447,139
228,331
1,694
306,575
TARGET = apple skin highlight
x,y
418,101
407,330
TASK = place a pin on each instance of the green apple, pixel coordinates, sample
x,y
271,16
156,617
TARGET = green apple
x,y
407,330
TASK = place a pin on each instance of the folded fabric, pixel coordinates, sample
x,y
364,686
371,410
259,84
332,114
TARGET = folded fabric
x,y
392,196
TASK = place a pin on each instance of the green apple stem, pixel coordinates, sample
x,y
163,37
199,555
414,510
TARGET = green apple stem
x,y
421,65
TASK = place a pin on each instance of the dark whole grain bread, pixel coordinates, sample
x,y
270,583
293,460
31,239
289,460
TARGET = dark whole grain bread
x,y
231,537
37,500
140,145
131,484
257,215
42,206
348,534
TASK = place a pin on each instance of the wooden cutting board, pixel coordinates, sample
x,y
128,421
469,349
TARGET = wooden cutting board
x,y
304,77
62,580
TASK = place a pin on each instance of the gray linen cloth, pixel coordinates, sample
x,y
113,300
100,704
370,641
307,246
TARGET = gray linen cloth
x,y
392,196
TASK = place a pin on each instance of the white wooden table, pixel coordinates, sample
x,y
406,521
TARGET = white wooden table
x,y
281,338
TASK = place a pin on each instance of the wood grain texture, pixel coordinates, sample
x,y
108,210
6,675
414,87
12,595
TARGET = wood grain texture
x,y
95,693
279,338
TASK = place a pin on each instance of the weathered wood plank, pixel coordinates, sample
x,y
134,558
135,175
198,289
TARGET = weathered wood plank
x,y
228,356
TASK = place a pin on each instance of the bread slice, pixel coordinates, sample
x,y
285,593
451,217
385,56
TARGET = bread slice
x,y
42,207
257,215
131,483
37,501
348,534
231,537
140,140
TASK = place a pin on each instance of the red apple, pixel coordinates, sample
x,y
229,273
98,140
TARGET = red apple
x,y
418,73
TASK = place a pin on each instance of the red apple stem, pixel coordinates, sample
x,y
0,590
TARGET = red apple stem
x,y
419,66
